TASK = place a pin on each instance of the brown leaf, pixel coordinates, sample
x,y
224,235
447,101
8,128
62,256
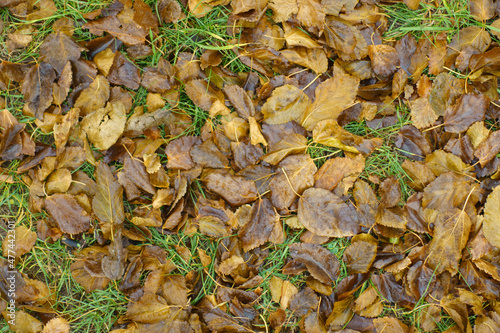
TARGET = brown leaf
x,y
134,178
325,214
384,59
441,162
314,59
203,94
468,109
57,49
345,38
286,103
320,262
283,9
63,129
121,26
359,256
94,96
264,222
311,15
108,200
61,89
488,149
177,155
457,310
113,265
208,155
491,222
332,97
67,213
24,238
390,192
124,72
294,175
58,181
104,126
451,233
57,325
235,190
150,308
445,91
290,144
240,100
330,133
447,191
422,114
339,172
482,10
37,89
390,325
24,323
420,174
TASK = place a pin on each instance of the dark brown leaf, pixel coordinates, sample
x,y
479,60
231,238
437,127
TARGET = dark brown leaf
x,y
37,89
177,152
68,214
235,190
263,225
468,109
57,49
124,72
325,214
294,175
488,149
359,256
321,263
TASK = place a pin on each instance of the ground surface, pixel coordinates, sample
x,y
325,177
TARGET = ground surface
x,y
417,275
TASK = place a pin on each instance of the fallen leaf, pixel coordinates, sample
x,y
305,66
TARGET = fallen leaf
x,y
286,103
332,97
321,263
491,222
67,213
37,89
263,222
325,214
108,200
57,49
235,190
360,255
104,126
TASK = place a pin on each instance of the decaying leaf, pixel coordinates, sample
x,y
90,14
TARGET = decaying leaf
x,y
325,214
322,264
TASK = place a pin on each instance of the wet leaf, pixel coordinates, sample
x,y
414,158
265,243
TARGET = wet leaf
x,y
134,178
390,325
263,225
451,232
240,100
468,109
332,97
339,172
104,127
491,222
286,103
124,72
57,325
441,162
325,214
37,89
290,144
294,175
314,59
108,200
360,255
488,149
57,49
70,217
235,190
345,38
322,264
94,97
24,323
384,59
482,10
24,238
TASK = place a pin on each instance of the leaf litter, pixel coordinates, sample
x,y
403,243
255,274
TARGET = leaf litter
x,y
246,181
